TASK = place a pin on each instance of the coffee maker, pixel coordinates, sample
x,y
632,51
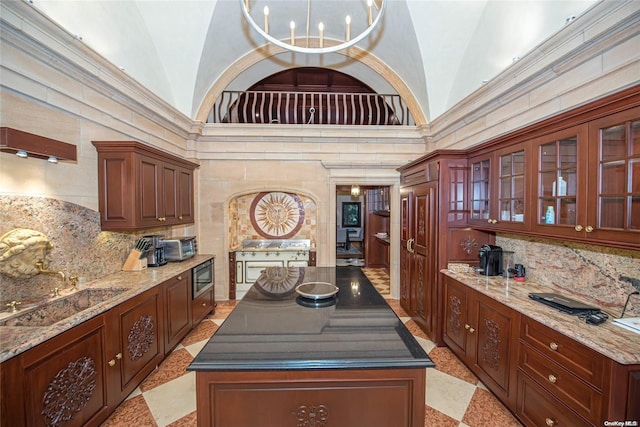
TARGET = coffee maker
x,y
156,258
491,260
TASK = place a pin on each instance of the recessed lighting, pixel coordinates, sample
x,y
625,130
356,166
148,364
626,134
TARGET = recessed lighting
x,y
52,159
22,153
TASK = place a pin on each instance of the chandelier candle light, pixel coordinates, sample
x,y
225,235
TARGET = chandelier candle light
x,y
371,19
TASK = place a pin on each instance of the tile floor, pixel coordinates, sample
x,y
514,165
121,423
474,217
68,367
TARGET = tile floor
x,y
167,396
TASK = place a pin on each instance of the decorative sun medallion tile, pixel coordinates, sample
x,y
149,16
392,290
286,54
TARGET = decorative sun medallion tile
x,y
277,215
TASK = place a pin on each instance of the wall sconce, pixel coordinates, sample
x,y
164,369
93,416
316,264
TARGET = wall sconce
x,y
355,190
25,144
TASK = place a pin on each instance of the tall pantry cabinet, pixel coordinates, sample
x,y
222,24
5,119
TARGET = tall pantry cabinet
x,y
433,232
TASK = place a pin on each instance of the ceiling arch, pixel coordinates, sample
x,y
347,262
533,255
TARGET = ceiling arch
x,y
267,51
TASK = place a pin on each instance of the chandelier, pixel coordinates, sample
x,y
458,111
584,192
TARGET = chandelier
x,y
313,40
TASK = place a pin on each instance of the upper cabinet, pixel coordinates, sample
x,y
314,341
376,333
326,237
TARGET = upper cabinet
x,y
498,189
613,193
559,176
587,180
574,177
142,187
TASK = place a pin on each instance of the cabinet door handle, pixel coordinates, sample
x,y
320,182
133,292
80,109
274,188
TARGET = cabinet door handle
x,y
578,227
469,328
112,362
553,346
119,356
588,229
204,304
179,277
549,422
552,379
180,217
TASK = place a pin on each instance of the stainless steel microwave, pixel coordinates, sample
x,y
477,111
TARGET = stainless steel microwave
x,y
180,248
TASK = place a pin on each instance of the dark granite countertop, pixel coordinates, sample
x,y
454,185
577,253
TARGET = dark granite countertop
x,y
273,328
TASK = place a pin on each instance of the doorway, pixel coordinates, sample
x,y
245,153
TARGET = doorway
x,y
362,226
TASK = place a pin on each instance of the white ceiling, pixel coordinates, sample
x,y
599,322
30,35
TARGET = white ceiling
x,y
442,50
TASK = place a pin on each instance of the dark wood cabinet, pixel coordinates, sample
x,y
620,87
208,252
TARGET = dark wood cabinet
x,y
570,177
498,189
80,376
483,334
321,397
177,309
142,187
203,305
418,212
63,380
433,232
135,346
585,175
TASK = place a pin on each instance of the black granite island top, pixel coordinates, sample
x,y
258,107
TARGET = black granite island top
x,y
273,328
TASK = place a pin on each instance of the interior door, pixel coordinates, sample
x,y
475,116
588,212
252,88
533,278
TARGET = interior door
x,y
422,278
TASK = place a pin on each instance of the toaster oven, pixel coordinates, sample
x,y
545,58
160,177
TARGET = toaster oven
x,y
179,248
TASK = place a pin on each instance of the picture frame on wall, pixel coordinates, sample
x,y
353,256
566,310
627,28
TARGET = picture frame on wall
x,y
351,214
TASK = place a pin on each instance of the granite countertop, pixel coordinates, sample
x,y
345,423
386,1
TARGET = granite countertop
x,y
616,343
17,339
272,328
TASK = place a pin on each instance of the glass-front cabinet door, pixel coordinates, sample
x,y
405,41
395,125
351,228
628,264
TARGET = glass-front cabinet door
x,y
480,191
559,182
512,189
614,185
498,189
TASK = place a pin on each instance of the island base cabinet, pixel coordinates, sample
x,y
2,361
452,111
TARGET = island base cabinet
x,y
336,398
62,382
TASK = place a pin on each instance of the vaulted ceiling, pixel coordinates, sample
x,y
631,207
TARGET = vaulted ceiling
x,y
441,50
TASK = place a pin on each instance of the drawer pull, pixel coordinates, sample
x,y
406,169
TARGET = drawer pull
x,y
549,422
553,346
552,379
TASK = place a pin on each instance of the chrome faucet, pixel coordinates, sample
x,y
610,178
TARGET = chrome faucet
x,y
50,272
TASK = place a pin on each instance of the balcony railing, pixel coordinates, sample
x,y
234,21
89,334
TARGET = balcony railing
x,y
329,108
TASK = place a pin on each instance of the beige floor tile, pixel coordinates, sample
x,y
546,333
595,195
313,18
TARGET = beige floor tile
x,y
448,394
173,400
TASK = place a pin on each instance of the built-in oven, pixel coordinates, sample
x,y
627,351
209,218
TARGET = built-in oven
x,y
203,278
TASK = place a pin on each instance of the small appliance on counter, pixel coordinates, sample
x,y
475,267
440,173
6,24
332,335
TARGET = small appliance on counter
x,y
490,260
155,257
180,248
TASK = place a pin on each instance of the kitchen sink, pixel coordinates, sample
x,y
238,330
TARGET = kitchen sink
x,y
60,308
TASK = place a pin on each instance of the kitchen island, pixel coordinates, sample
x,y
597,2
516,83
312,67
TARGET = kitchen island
x,y
282,360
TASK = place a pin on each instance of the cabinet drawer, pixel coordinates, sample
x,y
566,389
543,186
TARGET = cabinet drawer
x,y
564,385
202,306
575,357
537,407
